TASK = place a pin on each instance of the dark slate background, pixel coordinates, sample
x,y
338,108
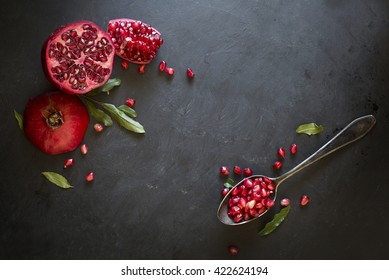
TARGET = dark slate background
x,y
262,68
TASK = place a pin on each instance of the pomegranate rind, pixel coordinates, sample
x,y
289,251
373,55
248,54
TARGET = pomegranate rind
x,y
64,138
122,48
48,62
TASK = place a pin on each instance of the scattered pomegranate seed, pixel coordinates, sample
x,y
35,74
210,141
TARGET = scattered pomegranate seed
x,y
247,172
224,170
237,170
130,102
190,73
68,162
304,200
84,149
233,250
124,64
98,127
225,191
162,66
277,165
90,177
293,149
170,71
285,202
281,152
142,68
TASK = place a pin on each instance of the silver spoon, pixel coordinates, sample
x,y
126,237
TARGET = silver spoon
x,y
352,132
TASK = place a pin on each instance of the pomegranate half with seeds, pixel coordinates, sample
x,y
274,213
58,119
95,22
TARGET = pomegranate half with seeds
x,y
55,122
134,40
78,57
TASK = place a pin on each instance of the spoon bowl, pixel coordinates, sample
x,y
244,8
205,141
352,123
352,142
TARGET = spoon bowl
x,y
352,132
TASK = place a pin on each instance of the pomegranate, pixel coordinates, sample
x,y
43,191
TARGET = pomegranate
x,y
134,40
55,122
78,57
250,198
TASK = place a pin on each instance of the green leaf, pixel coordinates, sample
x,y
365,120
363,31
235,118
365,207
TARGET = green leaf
x,y
127,110
229,184
98,114
310,128
277,220
57,179
122,119
19,118
110,84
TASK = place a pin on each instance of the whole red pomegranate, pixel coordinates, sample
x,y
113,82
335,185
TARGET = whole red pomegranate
x,y
78,57
134,40
55,122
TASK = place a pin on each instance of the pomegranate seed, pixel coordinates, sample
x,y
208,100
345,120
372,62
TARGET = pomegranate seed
x,y
170,71
250,204
233,201
277,165
162,66
281,152
304,200
285,202
269,203
225,191
124,64
235,191
235,210
224,171
242,202
247,172
68,162
142,68
84,149
233,250
237,170
98,127
130,102
293,149
190,73
90,177
238,218
248,183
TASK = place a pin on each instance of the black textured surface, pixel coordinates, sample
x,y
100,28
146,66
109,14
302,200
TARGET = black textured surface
x,y
263,67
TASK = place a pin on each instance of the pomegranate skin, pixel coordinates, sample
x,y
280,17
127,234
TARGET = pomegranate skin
x,y
69,132
98,77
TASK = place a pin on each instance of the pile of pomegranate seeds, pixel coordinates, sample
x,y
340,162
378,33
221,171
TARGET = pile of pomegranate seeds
x,y
250,199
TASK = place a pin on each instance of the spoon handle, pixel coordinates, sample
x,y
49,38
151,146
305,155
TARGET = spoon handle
x,y
352,132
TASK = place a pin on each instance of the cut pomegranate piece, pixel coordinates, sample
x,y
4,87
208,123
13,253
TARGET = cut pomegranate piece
x,y
55,122
78,57
134,40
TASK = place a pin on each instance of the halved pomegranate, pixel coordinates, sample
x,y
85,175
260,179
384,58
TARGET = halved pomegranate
x,y
78,57
134,40
55,122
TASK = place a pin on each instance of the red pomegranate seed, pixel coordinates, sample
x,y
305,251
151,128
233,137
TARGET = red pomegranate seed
x,y
170,71
247,172
285,202
162,66
124,64
233,250
304,200
269,203
235,191
90,177
238,218
98,127
190,73
224,171
225,191
142,68
84,149
293,149
277,165
237,170
233,201
130,102
68,162
281,152
248,183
